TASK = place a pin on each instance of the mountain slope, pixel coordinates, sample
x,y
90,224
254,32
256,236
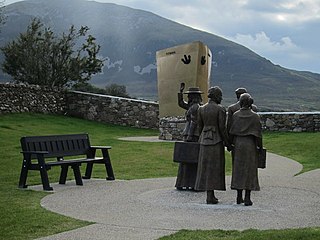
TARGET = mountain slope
x,y
129,39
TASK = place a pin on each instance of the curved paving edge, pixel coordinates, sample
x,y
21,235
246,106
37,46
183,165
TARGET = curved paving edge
x,y
151,208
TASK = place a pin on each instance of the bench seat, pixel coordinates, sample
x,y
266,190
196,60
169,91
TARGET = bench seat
x,y
40,153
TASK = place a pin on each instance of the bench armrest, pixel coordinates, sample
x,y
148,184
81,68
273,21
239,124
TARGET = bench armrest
x,y
100,147
92,151
34,152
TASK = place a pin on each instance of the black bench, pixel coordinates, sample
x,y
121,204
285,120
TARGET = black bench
x,y
40,153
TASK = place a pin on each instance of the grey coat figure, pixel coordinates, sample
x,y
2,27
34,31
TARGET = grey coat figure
x,y
211,163
236,106
245,133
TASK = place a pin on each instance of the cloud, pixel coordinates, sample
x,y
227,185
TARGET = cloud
x,y
283,52
286,11
144,70
260,42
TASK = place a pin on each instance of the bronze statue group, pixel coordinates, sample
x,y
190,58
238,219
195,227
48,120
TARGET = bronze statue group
x,y
238,129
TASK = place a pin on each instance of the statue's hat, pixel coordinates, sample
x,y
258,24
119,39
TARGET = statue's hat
x,y
241,90
193,90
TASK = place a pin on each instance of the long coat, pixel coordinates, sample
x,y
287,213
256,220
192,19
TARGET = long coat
x,y
245,132
187,172
211,162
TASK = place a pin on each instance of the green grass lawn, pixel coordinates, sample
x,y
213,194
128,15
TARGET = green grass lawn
x,y
301,147
22,216
251,234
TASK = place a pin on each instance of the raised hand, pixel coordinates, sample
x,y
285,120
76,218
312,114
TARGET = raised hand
x,y
182,86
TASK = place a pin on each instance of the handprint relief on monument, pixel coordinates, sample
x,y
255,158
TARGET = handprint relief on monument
x,y
186,60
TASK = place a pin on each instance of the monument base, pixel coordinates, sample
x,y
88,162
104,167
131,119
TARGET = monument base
x,y
171,128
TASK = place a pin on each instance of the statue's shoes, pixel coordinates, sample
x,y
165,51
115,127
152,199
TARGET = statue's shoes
x,y
248,202
240,200
212,201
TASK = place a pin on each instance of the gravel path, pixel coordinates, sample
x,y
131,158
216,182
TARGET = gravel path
x,y
151,208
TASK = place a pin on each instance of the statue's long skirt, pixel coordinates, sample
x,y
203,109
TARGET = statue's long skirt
x,y
187,174
245,164
211,168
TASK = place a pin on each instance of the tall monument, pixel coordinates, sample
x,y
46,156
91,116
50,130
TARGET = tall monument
x,y
188,63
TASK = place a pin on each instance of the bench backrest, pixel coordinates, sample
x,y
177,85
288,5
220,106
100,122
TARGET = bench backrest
x,y
57,145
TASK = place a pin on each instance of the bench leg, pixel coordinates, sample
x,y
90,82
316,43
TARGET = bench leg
x,y
63,174
88,171
44,174
77,174
107,163
45,179
109,171
23,174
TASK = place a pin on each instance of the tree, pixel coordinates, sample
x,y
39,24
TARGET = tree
x,y
111,89
87,87
116,90
40,57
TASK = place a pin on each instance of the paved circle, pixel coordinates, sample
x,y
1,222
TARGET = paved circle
x,y
151,208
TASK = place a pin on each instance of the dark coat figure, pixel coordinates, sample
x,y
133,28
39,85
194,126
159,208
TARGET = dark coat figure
x,y
236,106
246,136
187,172
191,132
211,163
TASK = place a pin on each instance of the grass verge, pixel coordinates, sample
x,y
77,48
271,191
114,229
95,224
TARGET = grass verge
x,y
302,147
23,217
251,234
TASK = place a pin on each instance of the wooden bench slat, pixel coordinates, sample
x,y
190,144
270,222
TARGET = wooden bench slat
x,y
71,161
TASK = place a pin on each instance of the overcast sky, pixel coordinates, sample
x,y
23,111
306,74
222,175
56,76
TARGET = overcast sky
x,y
287,32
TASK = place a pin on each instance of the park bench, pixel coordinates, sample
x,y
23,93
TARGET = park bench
x,y
40,153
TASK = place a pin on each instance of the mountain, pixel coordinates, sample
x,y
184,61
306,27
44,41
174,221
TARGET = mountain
x,y
129,39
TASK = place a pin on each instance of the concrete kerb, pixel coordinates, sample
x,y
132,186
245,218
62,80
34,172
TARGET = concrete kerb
x,y
151,208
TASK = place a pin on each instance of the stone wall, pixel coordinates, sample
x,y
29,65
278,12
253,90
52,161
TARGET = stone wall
x,y
16,98
128,112
171,128
291,121
115,110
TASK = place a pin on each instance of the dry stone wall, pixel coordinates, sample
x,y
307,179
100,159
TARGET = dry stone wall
x,y
115,110
128,112
291,121
15,98
171,128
